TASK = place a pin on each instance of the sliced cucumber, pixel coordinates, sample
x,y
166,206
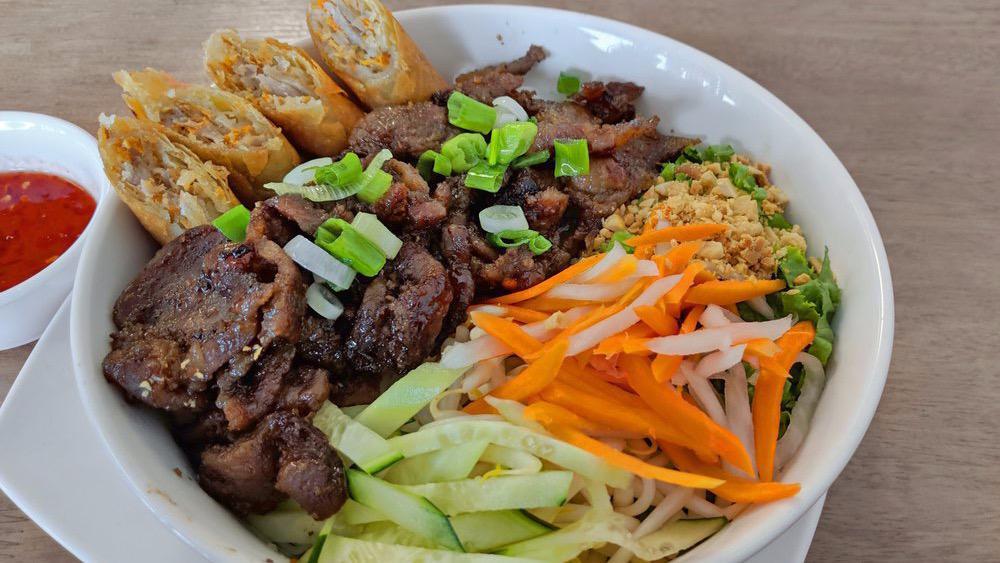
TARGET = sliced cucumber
x,y
369,451
405,508
599,527
510,458
406,397
548,488
389,532
353,513
314,553
346,550
353,410
449,464
487,531
512,436
286,524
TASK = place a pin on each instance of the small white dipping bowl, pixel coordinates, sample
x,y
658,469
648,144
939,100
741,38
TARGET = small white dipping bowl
x,y
696,95
41,143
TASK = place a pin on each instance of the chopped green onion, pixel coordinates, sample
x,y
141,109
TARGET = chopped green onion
x,y
340,239
669,169
305,173
511,141
233,223
433,162
759,194
340,173
778,221
376,187
323,301
568,84
464,151
711,153
373,229
530,159
486,177
572,157
317,192
620,237
681,177
691,154
374,181
741,177
499,218
510,239
470,114
539,245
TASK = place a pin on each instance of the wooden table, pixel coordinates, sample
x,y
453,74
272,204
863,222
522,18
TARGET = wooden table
x,y
905,93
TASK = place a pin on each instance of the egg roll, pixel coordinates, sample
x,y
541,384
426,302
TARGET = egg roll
x,y
166,185
287,86
218,126
364,45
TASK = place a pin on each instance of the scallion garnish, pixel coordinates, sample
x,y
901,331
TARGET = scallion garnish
x,y
470,114
778,221
568,84
433,162
305,173
539,245
620,237
499,218
510,141
741,177
374,181
572,157
340,173
669,169
464,151
340,239
233,223
711,153
485,176
372,229
530,159
510,239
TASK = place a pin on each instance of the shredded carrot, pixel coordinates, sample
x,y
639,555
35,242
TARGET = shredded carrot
x,y
680,255
675,296
510,333
735,489
656,319
680,233
692,421
664,367
550,414
599,409
633,464
539,374
523,314
729,292
540,288
586,378
623,269
793,342
643,252
704,276
691,320
632,341
661,263
639,346
732,309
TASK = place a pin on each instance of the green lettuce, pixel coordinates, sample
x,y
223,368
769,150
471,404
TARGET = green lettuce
x,y
816,300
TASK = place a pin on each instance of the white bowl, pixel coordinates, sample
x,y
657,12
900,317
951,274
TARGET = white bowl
x,y
40,143
698,95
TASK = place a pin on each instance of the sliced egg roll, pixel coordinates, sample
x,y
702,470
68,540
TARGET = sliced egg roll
x,y
287,86
218,126
165,184
365,46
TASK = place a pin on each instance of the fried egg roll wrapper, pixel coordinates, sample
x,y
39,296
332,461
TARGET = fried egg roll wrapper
x,y
218,126
364,45
166,185
287,86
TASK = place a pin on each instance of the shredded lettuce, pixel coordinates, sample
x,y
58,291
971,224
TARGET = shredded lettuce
x,y
816,300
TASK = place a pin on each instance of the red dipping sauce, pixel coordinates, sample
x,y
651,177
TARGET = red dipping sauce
x,y
40,217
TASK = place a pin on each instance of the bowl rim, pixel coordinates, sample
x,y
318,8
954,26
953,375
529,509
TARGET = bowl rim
x,y
768,528
40,277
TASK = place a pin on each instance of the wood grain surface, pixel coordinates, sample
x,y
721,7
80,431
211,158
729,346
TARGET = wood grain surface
x,y
906,94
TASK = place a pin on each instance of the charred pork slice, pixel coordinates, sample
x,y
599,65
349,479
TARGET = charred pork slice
x,y
407,204
407,130
201,306
400,315
285,455
611,102
280,218
499,80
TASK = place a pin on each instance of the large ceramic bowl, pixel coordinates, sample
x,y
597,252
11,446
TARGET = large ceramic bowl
x,y
700,96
